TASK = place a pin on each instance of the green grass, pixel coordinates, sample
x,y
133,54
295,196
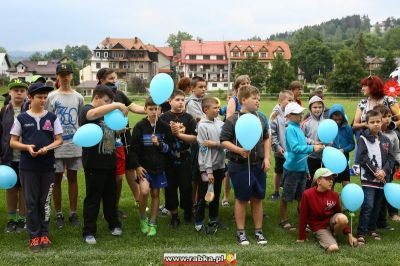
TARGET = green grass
x,y
135,249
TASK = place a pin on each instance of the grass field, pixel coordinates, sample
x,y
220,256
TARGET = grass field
x,y
132,248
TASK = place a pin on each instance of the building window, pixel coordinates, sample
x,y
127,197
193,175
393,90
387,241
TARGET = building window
x,y
98,65
113,65
206,57
235,54
97,54
206,67
263,55
225,85
141,66
220,57
192,57
105,54
214,85
249,54
125,65
192,67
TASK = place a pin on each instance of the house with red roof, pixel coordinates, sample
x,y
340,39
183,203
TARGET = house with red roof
x,y
205,59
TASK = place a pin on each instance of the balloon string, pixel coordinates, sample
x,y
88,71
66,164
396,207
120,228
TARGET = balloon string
x,y
248,164
351,223
155,123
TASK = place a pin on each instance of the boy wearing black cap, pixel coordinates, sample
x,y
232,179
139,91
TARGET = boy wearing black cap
x,y
36,133
66,103
17,90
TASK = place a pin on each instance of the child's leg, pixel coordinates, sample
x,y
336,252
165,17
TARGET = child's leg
x,y
118,181
31,185
213,207
185,186
378,198
12,198
155,201
130,175
366,210
240,214
46,192
72,176
144,193
382,219
21,203
283,211
110,200
257,211
171,191
277,182
340,221
227,187
201,203
57,192
95,182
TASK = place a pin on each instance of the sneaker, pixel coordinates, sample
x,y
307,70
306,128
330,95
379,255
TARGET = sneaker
x,y
221,226
199,227
356,169
387,227
60,220
10,227
117,231
260,238
242,239
152,230
21,226
144,226
45,242
34,244
175,222
212,228
89,239
74,219
121,214
163,211
275,196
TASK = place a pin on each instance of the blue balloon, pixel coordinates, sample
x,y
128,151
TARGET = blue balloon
x,y
161,87
8,177
352,197
327,131
88,135
116,120
392,194
334,160
248,131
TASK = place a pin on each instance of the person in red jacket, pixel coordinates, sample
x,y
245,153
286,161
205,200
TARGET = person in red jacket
x,y
320,209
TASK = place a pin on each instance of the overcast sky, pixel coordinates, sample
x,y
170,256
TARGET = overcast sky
x,y
48,24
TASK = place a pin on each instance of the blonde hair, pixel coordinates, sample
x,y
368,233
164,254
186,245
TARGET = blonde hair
x,y
284,95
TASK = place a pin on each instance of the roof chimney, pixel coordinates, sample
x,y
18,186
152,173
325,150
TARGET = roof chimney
x,y
136,39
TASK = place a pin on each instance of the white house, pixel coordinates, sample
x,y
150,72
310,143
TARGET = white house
x,y
4,64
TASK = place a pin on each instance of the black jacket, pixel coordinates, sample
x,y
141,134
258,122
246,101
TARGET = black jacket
x,y
143,152
368,165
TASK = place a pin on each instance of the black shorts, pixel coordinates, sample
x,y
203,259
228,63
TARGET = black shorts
x,y
15,167
279,161
343,176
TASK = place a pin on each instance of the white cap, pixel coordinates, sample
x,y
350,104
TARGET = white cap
x,y
293,108
395,73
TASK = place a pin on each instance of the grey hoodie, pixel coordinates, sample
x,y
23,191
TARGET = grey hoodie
x,y
210,158
278,128
310,126
193,107
394,139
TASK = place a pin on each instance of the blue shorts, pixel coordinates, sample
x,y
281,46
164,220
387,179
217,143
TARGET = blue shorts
x,y
157,180
294,184
239,175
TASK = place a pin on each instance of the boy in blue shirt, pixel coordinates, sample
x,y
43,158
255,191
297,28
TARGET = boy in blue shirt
x,y
295,168
36,133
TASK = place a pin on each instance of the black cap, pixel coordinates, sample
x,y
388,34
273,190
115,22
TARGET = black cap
x,y
38,87
64,68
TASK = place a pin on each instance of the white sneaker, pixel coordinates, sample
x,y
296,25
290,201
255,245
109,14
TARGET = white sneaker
x,y
89,239
116,231
199,227
356,169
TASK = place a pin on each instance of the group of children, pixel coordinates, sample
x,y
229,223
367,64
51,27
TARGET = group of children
x,y
182,149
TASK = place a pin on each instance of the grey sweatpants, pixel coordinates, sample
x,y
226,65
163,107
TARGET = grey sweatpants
x,y
38,190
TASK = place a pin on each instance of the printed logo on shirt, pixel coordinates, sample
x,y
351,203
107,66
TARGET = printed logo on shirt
x,y
29,125
330,204
386,147
47,126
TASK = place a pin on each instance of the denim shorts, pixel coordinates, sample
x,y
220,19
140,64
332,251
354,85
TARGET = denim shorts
x,y
294,184
239,175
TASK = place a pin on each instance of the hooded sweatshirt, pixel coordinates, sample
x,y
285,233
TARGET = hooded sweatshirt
x,y
344,139
193,107
278,128
210,158
310,126
374,153
394,139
